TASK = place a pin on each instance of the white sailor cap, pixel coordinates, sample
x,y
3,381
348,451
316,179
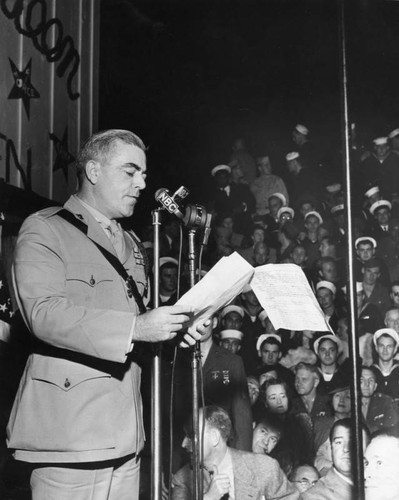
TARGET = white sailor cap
x,y
372,191
337,208
232,308
379,204
292,156
220,168
326,284
380,141
166,260
283,210
394,133
231,334
302,129
334,188
315,214
280,196
366,239
265,336
386,331
327,336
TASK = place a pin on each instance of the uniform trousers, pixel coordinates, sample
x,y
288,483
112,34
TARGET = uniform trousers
x,y
111,480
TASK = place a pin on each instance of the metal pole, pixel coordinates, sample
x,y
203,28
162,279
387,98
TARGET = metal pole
x,y
357,451
195,364
156,430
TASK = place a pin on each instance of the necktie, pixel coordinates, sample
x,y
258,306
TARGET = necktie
x,y
118,241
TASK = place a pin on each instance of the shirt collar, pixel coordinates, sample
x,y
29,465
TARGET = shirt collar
x,y
101,218
346,479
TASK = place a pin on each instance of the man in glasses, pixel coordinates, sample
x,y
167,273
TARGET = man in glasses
x,y
304,477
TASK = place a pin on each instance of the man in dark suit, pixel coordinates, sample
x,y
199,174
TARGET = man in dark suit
x,y
78,409
226,471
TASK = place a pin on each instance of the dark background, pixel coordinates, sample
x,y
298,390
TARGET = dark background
x,y
190,76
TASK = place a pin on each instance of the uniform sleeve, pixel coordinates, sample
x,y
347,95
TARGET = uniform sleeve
x,y
63,314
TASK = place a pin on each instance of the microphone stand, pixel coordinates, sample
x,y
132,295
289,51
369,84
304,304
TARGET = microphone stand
x,y
156,430
195,366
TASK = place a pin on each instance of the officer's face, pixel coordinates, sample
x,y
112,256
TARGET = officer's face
x,y
118,179
368,383
328,352
386,348
365,251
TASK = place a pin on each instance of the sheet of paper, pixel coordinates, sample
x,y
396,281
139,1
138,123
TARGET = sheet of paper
x,y
286,296
218,287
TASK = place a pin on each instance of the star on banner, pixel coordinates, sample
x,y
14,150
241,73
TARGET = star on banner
x,y
23,88
64,157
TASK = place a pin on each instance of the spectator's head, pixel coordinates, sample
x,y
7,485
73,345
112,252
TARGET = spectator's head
x,y
381,147
285,214
275,202
394,293
293,162
341,445
264,165
371,272
341,401
338,214
312,221
249,298
325,294
381,211
328,247
168,275
300,134
267,433
327,347
368,381
266,376
327,269
304,477
221,174
231,317
269,348
275,396
237,174
307,378
258,234
381,466
253,389
231,340
391,319
365,248
299,255
261,254
386,341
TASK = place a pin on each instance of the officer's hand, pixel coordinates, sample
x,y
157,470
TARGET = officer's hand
x,y
161,324
190,338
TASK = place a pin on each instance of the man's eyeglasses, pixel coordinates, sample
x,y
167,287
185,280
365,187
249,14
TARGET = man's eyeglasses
x,y
395,294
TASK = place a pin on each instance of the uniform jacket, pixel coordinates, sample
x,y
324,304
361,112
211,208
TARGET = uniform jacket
x,y
256,477
78,399
381,413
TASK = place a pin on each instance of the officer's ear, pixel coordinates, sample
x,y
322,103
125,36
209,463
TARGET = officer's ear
x,y
92,171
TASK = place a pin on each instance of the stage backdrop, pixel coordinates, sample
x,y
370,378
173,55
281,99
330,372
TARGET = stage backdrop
x,y
48,91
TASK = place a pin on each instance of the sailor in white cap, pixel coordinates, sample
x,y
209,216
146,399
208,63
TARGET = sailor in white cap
x,y
269,348
365,250
327,348
230,339
381,168
231,317
285,214
325,294
300,135
381,211
386,342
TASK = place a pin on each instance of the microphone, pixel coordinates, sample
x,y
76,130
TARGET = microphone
x,y
207,230
168,202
